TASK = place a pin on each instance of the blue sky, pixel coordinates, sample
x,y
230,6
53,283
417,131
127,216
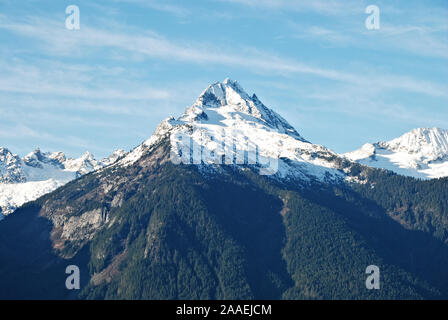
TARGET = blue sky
x,y
133,63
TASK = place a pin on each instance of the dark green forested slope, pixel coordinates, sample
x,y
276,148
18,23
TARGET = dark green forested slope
x,y
417,204
242,236
184,238
245,237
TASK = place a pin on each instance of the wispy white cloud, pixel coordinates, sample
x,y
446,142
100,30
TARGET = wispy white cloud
x,y
421,30
27,132
319,33
160,5
345,99
326,7
422,40
411,39
149,45
67,80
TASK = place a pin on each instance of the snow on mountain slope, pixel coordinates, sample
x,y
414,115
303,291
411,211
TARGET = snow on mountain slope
x,y
23,180
117,154
13,195
420,153
227,126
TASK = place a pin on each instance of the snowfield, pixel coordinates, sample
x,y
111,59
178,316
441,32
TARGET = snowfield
x,y
13,195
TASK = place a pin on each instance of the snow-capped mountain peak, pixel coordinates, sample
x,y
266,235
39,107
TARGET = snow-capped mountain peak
x,y
58,156
227,100
117,154
223,93
420,153
430,143
83,164
37,159
10,167
38,173
225,125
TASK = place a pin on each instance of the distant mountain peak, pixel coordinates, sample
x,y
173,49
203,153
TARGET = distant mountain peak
x,y
431,143
37,158
115,156
38,173
421,153
10,167
87,154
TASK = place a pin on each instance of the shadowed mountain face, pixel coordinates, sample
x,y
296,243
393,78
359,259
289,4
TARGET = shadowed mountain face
x,y
148,227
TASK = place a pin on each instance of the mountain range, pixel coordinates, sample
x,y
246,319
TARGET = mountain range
x,y
229,201
38,173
